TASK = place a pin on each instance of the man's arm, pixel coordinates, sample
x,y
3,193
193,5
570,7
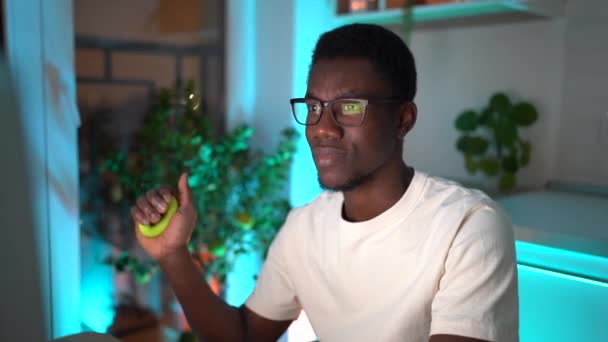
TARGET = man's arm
x,y
259,328
208,315
477,295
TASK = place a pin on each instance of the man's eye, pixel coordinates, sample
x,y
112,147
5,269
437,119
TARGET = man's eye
x,y
314,108
352,108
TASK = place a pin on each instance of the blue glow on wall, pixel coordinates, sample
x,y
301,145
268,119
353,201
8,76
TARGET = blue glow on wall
x,y
241,281
96,286
96,308
311,19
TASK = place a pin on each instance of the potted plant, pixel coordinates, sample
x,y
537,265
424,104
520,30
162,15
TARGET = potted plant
x,y
238,191
491,141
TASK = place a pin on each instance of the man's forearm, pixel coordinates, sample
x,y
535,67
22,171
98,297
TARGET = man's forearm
x,y
208,315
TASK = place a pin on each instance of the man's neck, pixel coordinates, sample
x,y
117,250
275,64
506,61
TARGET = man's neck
x,y
378,193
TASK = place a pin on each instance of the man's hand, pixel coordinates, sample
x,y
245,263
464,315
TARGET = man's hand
x,y
150,208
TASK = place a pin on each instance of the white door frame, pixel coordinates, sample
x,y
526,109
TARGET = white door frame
x,y
40,51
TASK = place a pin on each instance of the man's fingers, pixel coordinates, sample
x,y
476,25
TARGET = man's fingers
x,y
157,200
150,213
185,193
166,193
138,216
143,205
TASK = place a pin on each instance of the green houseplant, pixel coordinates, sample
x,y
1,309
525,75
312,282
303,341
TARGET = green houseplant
x,y
491,141
238,190
407,20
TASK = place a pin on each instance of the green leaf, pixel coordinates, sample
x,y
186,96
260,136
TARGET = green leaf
x,y
489,166
500,103
505,131
507,182
220,252
462,143
509,164
196,140
486,116
142,274
526,148
205,153
524,114
470,164
467,121
217,248
478,145
120,264
192,246
187,336
472,145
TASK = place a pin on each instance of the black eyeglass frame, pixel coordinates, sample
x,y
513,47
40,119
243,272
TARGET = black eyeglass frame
x,y
327,104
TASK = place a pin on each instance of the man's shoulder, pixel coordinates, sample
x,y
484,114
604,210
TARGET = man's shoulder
x,y
446,194
458,204
449,190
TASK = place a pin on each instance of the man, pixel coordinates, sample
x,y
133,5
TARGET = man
x,y
388,253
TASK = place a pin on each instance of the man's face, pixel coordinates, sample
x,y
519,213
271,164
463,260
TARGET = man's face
x,y
347,156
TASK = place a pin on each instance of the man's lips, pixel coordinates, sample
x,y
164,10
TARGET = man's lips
x,y
327,155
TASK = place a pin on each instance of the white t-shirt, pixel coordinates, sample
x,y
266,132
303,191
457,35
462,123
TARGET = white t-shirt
x,y
440,261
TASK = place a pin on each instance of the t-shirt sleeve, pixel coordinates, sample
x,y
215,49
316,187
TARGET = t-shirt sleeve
x,y
477,295
274,295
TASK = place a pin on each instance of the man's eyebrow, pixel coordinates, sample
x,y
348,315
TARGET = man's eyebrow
x,y
310,96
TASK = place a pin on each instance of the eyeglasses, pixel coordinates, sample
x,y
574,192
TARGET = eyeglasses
x,y
344,112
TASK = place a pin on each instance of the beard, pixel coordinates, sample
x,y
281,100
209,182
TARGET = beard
x,y
348,185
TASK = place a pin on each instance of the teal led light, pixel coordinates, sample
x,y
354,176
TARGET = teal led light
x,y
562,261
97,286
560,307
562,275
96,303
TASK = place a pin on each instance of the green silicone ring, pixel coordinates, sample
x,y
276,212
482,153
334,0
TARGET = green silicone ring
x,y
155,230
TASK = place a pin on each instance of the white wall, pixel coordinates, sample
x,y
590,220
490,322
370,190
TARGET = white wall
x,y
558,65
583,138
24,310
274,69
62,121
40,53
240,62
459,68
269,46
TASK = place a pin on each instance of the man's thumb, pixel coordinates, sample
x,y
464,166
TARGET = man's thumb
x,y
185,193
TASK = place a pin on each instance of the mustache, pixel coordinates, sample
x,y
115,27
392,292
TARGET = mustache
x,y
326,145
326,150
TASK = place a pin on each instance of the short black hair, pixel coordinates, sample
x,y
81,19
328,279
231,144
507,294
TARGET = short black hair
x,y
382,47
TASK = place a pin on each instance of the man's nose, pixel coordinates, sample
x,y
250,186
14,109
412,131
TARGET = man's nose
x,y
326,127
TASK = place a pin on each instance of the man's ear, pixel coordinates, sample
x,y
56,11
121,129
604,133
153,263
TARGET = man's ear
x,y
408,112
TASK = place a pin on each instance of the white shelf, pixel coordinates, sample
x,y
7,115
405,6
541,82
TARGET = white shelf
x,y
459,10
